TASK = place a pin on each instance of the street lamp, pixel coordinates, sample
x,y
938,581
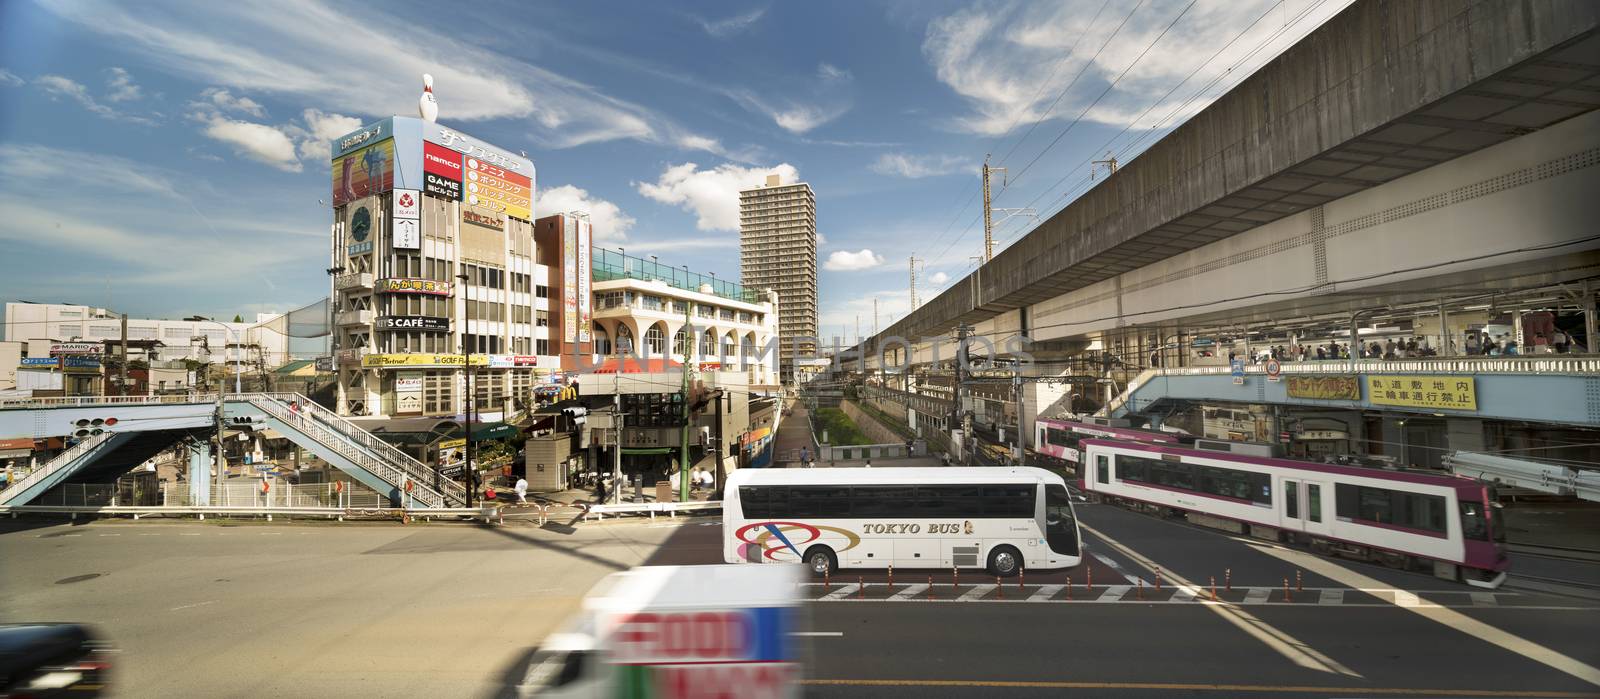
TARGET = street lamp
x,y
466,349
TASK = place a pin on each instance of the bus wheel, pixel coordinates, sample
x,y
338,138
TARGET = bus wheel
x,y
821,561
1005,561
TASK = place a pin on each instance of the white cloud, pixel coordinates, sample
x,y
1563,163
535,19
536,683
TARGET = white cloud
x,y
821,239
845,261
259,142
9,79
712,195
939,278
804,107
611,225
224,101
367,66
121,86
732,25
1011,60
915,166
94,172
59,87
321,128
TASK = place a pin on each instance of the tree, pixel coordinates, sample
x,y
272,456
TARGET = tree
x,y
237,318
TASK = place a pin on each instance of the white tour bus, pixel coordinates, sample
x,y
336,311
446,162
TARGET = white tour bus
x,y
1004,519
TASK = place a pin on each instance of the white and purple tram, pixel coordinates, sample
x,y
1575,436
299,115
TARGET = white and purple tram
x,y
1059,439
1403,519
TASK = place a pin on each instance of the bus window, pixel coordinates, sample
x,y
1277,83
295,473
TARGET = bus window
x,y
1061,530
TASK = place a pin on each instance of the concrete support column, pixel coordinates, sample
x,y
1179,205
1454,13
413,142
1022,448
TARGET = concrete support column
x,y
1446,348
1588,317
199,475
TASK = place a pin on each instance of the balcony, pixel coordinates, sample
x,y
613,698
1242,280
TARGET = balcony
x,y
363,317
353,280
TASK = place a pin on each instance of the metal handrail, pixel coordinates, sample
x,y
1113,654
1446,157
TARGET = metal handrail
x,y
348,448
1545,364
55,464
108,400
409,464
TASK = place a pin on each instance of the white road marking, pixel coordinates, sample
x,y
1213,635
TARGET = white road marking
x,y
976,593
910,592
188,533
817,634
1485,599
1288,646
1113,565
1257,595
1448,617
1184,594
192,606
842,592
149,535
1045,592
1331,597
1114,593
1403,598
110,535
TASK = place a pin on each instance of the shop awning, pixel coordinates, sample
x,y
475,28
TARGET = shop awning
x,y
493,430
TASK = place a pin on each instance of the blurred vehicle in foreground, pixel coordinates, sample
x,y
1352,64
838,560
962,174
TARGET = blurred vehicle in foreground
x,y
52,660
678,631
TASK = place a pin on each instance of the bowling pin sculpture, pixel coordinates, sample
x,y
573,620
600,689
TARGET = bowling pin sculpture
x,y
426,106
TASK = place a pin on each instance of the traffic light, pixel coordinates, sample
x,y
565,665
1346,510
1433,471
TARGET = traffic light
x,y
89,427
247,423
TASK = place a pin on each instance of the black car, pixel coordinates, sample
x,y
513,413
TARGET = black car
x,y
52,660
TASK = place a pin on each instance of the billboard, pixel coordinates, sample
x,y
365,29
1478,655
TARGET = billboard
x,y
1324,387
441,171
413,286
1452,392
363,172
380,361
585,311
427,323
406,214
497,188
569,269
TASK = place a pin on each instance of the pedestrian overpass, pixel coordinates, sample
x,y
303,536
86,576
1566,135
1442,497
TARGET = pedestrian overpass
x,y
116,434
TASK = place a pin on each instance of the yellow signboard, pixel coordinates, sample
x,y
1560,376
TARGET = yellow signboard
x,y
1324,387
1449,392
382,361
453,443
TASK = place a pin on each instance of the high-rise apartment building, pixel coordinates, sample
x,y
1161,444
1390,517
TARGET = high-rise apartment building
x,y
778,251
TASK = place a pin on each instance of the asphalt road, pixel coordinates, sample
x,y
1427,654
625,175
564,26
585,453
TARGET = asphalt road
x,y
308,610
452,610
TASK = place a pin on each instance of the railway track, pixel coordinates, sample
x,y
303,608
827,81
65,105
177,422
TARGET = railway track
x,y
1566,553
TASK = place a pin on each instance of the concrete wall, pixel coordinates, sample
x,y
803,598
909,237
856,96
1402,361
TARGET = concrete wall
x,y
875,431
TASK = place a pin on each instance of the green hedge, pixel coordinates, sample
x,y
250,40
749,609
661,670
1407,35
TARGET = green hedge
x,y
842,431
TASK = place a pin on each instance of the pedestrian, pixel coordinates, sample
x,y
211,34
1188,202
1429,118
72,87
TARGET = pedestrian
x,y
1321,353
945,457
673,478
522,491
1559,341
805,454
1510,346
707,480
869,463
1473,346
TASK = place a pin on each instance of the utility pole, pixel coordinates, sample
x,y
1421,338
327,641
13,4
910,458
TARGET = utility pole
x,y
913,282
1016,399
874,316
956,418
122,387
988,213
683,439
471,472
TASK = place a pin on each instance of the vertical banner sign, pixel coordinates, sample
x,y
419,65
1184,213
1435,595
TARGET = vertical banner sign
x,y
569,289
407,217
441,171
408,392
585,313
1238,371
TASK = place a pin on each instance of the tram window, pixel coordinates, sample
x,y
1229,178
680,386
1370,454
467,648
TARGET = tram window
x,y
1060,437
1102,468
1314,502
1291,499
1474,525
1384,506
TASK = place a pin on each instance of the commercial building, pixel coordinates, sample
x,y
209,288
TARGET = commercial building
x,y
778,251
642,304
216,341
562,246
434,261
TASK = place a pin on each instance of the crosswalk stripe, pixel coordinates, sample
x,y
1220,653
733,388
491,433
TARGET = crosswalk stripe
x,y
843,591
1403,598
1485,599
1184,594
1257,595
1045,592
976,593
911,591
1331,597
1114,593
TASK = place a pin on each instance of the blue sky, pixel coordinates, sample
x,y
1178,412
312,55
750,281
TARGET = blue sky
x,y
168,158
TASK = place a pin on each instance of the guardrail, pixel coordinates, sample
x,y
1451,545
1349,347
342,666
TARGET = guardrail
x,y
671,509
486,513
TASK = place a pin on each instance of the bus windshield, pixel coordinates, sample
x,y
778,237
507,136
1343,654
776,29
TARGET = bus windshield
x,y
1061,530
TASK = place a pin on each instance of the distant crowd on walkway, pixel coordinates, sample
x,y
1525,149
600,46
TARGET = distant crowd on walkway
x,y
1477,344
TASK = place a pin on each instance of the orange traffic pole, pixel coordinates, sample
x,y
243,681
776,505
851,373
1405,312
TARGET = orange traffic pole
x,y
1213,588
1069,587
1021,575
1141,588
999,588
1286,596
891,575
1089,584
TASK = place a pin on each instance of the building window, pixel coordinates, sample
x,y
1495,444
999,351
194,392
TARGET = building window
x,y
655,341
541,347
708,345
602,341
541,318
654,303
542,291
680,343
680,307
